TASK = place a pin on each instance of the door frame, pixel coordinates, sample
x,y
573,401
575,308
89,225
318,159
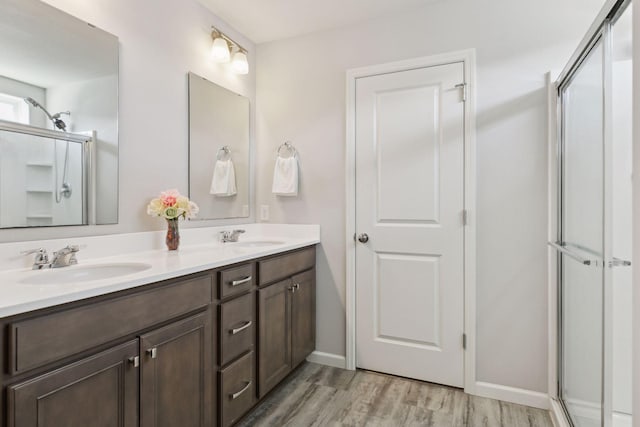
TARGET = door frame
x,y
468,58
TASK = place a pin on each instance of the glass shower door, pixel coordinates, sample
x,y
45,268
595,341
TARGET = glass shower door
x,y
581,243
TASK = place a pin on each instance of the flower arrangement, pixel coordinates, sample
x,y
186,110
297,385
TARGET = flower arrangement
x,y
172,205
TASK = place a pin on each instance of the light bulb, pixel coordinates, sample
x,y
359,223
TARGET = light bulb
x,y
239,63
220,50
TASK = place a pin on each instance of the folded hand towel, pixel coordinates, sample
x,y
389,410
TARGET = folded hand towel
x,y
285,177
223,183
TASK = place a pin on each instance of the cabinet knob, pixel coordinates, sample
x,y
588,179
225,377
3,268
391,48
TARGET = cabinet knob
x,y
135,361
153,352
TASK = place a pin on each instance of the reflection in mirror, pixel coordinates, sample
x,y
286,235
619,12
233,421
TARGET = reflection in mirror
x,y
218,150
58,118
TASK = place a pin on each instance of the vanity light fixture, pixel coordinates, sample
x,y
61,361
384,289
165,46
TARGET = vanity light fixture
x,y
221,50
239,63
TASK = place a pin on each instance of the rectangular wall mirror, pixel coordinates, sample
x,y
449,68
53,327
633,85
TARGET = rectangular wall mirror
x,y
219,145
58,118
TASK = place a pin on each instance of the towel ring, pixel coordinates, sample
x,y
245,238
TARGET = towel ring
x,y
289,146
225,150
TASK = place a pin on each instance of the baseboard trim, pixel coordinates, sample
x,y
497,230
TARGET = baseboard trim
x,y
557,414
328,359
520,396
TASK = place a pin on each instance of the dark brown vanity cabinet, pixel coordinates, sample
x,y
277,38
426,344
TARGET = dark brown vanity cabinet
x,y
175,369
303,316
236,342
98,390
194,351
137,357
164,370
286,311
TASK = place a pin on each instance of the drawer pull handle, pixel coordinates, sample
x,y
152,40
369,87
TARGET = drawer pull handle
x,y
153,352
241,328
241,281
135,361
236,395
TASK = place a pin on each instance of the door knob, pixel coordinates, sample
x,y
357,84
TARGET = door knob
x,y
363,238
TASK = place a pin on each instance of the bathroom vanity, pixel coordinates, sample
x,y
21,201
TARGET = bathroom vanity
x,y
199,349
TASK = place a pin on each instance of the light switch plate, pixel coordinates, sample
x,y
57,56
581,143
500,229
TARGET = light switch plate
x,y
264,212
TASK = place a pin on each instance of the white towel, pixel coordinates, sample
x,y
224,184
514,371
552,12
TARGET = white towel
x,y
285,177
223,183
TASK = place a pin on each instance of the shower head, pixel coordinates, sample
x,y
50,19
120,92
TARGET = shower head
x,y
55,119
32,102
36,104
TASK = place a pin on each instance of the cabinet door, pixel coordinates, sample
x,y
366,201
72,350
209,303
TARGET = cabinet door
x,y
303,316
274,359
176,382
101,391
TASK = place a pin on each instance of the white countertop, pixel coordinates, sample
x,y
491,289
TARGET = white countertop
x,y
17,297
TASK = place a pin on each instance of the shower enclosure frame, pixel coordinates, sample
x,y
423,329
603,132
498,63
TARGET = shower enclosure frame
x,y
599,33
88,166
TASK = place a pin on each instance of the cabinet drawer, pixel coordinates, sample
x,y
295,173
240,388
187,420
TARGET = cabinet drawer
x,y
36,342
237,389
237,327
235,280
277,268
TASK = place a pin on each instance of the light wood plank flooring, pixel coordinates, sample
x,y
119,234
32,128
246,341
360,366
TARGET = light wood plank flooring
x,y
317,395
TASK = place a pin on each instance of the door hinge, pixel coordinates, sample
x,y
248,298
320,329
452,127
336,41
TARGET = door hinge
x,y
464,341
463,86
464,217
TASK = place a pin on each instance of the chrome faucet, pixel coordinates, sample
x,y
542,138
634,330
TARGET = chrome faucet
x,y
230,236
62,258
65,256
41,259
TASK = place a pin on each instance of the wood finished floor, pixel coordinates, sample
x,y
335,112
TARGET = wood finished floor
x,y
317,395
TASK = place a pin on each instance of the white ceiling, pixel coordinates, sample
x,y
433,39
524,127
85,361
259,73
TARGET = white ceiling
x,y
263,21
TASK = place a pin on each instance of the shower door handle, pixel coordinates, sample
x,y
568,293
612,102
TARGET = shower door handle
x,y
562,249
617,262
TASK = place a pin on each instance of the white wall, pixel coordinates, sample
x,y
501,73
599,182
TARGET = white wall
x,y
160,41
301,97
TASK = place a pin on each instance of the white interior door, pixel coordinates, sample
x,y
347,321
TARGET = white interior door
x,y
409,202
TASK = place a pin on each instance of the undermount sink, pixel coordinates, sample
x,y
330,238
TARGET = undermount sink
x,y
83,273
257,243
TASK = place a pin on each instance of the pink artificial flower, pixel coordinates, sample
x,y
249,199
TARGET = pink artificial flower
x,y
169,197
